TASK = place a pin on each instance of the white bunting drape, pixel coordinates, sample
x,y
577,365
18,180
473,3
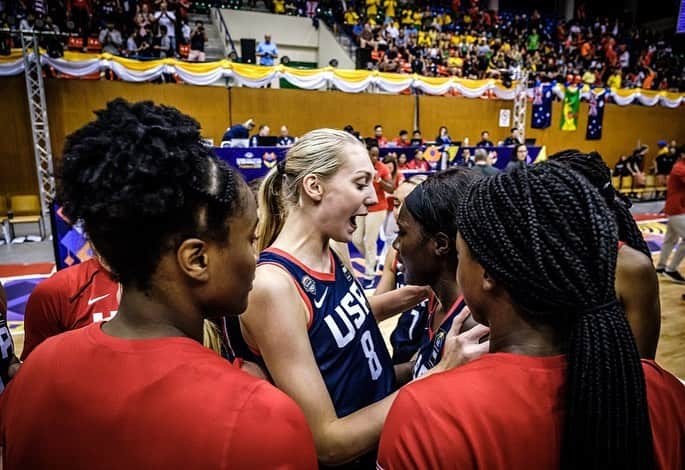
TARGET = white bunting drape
x,y
350,81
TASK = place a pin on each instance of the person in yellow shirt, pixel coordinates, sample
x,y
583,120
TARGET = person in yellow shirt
x,y
351,17
417,17
279,7
614,80
424,39
372,8
433,35
390,6
407,14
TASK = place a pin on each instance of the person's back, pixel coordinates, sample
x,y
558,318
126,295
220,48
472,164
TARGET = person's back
x,y
486,170
72,298
516,401
141,400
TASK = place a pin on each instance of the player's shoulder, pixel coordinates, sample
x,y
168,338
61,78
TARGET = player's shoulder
x,y
69,280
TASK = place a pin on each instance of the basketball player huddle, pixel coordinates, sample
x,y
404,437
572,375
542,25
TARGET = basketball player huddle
x,y
519,344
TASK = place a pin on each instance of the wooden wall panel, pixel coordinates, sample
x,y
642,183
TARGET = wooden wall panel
x,y
303,110
624,126
71,104
17,163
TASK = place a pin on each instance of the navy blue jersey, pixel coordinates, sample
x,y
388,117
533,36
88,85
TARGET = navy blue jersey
x,y
430,351
410,331
6,352
347,344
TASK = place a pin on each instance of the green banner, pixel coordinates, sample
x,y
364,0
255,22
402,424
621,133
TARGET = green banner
x,y
569,111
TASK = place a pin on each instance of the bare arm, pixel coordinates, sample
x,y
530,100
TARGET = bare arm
x,y
387,185
387,281
637,288
397,301
276,322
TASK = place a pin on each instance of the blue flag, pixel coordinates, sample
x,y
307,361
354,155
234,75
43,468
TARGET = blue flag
x,y
595,116
542,106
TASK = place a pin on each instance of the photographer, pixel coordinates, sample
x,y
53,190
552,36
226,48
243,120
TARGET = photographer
x,y
197,43
267,51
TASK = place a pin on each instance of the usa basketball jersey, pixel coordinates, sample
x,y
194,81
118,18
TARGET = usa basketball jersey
x,y
410,331
6,352
430,351
347,344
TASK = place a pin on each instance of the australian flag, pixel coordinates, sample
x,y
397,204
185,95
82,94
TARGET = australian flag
x,y
542,106
595,116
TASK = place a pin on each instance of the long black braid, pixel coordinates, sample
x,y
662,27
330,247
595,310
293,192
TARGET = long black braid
x,y
592,166
547,236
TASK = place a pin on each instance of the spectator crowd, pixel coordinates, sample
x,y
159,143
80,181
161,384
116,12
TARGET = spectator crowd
x,y
145,29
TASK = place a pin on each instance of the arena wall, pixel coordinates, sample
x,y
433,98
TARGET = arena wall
x,y
71,103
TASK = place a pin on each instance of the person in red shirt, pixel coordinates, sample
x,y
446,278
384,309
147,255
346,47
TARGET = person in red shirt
x,y
563,384
378,135
176,226
368,228
403,139
71,298
419,163
675,210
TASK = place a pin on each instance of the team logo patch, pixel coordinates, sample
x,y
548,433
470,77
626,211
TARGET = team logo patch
x,y
309,284
439,339
269,159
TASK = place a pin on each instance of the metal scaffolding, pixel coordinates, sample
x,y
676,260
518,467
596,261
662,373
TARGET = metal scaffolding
x,y
35,92
520,101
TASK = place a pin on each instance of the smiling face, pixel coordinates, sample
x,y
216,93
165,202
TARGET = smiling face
x,y
347,195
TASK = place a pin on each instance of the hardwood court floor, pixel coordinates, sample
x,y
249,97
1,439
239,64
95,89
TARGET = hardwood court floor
x,y
671,350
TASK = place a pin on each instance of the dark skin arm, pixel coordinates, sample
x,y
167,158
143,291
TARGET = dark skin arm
x,y
641,305
637,288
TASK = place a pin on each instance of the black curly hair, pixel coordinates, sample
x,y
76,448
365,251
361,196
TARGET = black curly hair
x,y
141,180
434,202
592,167
548,237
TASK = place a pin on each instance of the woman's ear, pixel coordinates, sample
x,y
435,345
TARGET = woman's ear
x,y
312,187
193,259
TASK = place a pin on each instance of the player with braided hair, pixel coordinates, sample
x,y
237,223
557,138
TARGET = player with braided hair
x,y
425,244
176,227
563,385
637,287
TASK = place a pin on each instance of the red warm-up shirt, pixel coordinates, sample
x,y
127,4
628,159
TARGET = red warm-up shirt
x,y
675,192
71,298
505,411
87,400
383,173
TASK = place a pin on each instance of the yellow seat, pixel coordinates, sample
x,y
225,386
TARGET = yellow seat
x,y
626,184
616,182
25,210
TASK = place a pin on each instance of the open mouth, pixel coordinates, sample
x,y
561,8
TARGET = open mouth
x,y
353,222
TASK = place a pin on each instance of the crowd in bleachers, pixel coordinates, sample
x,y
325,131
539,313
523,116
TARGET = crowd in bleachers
x,y
137,29
464,39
